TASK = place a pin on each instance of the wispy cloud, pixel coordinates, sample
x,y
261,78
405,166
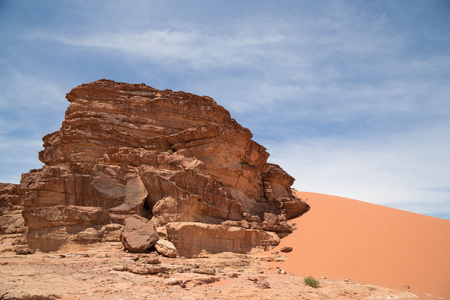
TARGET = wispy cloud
x,y
26,100
402,171
30,107
19,155
346,61
195,49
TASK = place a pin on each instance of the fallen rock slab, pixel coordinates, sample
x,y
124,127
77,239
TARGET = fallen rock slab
x,y
148,269
166,248
286,249
205,271
138,234
191,238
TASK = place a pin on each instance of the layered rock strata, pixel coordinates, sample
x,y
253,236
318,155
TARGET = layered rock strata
x,y
12,224
174,158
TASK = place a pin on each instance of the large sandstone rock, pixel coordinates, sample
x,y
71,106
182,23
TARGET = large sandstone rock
x,y
190,238
12,224
138,234
129,149
166,248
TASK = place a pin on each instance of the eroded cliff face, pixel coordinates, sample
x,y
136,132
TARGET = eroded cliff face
x,y
174,158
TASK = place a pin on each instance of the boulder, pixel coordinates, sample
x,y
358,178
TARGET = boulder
x,y
190,238
262,283
166,248
138,234
286,249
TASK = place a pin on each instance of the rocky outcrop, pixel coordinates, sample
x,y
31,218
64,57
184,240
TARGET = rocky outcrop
x,y
174,158
12,224
190,238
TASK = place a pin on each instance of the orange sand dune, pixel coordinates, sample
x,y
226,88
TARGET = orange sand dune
x,y
340,238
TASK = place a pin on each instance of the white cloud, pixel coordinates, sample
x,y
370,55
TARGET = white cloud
x,y
30,103
410,172
26,90
336,65
19,155
30,107
195,49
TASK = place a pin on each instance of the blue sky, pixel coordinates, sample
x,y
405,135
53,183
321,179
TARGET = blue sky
x,y
352,98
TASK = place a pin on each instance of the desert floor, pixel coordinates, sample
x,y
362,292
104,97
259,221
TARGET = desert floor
x,y
109,273
355,249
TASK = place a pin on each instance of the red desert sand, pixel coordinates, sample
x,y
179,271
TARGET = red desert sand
x,y
345,239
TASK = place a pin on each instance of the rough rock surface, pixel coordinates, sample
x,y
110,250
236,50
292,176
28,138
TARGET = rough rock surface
x,y
138,234
104,271
166,248
190,238
170,157
12,224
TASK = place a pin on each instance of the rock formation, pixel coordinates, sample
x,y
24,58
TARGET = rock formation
x,y
12,224
174,158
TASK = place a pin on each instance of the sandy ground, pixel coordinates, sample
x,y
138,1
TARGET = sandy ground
x,y
356,250
102,274
341,239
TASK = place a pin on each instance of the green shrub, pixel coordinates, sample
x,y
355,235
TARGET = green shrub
x,y
311,281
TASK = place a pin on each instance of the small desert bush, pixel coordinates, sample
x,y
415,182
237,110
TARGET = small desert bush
x,y
311,281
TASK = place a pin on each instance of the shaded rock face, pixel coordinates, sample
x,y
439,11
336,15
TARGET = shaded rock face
x,y
169,157
12,224
190,238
